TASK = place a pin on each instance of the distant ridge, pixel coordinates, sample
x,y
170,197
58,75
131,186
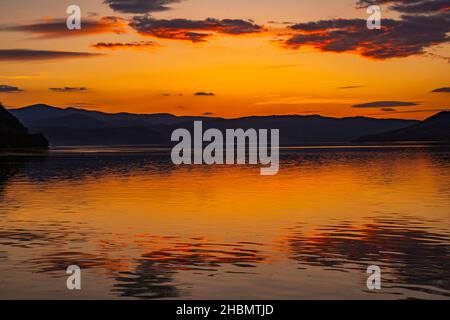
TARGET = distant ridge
x,y
72,126
33,115
436,128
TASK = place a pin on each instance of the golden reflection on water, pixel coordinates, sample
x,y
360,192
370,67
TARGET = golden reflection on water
x,y
140,227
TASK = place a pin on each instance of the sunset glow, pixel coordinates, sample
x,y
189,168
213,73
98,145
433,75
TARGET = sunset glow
x,y
253,57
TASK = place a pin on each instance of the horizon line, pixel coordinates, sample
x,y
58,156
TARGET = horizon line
x,y
232,118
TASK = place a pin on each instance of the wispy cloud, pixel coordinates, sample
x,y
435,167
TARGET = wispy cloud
x,y
80,105
171,94
56,28
43,55
127,45
350,87
69,89
301,100
201,93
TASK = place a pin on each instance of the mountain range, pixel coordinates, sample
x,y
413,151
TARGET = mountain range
x,y
435,128
74,126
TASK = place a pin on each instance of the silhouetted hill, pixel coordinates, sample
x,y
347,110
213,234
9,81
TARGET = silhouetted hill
x,y
14,135
73,126
42,115
435,128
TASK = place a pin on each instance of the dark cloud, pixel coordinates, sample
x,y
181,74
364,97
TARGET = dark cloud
x,y
204,94
383,104
56,28
410,6
350,87
443,89
44,55
207,113
69,89
192,30
280,22
140,6
423,24
171,94
8,89
437,56
126,45
388,109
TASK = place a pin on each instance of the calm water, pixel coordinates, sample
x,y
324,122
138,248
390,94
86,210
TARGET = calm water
x,y
141,228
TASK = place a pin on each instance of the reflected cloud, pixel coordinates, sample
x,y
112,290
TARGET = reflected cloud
x,y
411,257
153,276
148,280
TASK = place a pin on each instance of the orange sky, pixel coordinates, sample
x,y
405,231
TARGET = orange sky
x,y
249,73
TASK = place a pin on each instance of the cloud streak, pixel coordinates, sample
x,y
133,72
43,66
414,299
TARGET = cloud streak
x,y
41,55
69,89
57,28
204,94
127,45
385,104
350,87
